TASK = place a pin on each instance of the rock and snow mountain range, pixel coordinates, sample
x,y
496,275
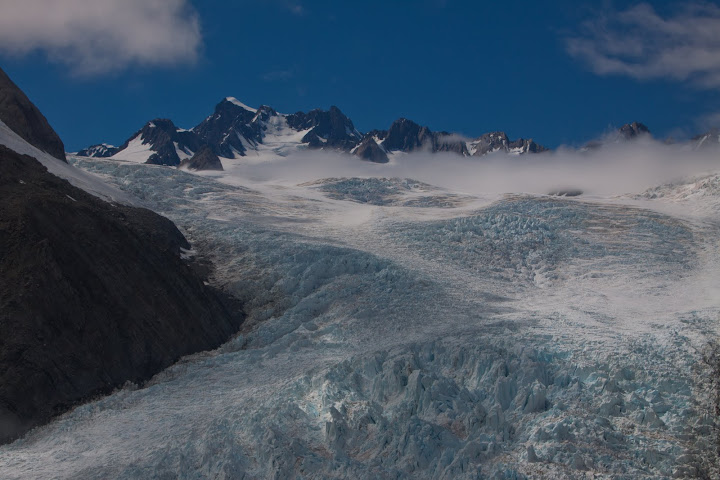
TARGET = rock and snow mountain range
x,y
236,130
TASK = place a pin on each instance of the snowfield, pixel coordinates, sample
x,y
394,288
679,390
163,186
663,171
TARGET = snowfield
x,y
404,328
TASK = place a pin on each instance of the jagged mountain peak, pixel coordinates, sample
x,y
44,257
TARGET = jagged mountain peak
x,y
234,101
633,130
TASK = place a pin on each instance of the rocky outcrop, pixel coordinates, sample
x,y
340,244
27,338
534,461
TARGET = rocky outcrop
x,y
327,129
499,142
101,150
92,295
369,150
227,126
165,139
633,130
204,159
407,136
23,118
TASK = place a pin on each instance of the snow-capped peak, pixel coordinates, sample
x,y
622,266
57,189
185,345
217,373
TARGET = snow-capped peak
x,y
237,102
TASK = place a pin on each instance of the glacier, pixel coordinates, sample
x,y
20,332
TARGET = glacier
x,y
399,328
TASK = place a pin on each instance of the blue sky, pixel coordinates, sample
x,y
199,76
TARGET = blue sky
x,y
560,72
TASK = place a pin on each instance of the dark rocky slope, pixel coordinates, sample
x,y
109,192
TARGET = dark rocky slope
x,y
23,118
91,295
369,150
204,159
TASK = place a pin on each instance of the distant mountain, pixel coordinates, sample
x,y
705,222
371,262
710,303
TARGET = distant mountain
x,y
499,142
101,150
707,140
406,136
160,142
633,130
628,132
235,130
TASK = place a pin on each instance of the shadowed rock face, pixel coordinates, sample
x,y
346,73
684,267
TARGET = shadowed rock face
x,y
204,159
406,136
23,118
371,151
328,128
223,129
92,295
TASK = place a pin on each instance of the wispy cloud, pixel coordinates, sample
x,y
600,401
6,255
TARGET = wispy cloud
x,y
641,44
101,36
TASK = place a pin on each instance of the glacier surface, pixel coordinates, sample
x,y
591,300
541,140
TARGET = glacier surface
x,y
401,330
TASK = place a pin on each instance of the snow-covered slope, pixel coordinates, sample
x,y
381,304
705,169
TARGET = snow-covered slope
x,y
395,334
79,178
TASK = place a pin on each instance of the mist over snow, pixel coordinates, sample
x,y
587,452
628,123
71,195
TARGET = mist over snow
x,y
616,168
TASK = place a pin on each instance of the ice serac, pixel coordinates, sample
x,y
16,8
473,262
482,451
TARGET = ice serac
x,y
24,118
93,295
204,159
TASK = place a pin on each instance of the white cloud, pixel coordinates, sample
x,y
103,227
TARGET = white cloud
x,y
641,44
100,36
